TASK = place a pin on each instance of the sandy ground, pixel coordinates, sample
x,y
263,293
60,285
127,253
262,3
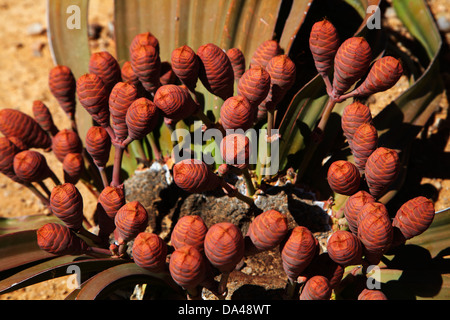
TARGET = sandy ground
x,y
25,60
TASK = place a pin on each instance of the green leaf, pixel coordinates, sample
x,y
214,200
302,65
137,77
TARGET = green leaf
x,y
128,275
299,120
54,268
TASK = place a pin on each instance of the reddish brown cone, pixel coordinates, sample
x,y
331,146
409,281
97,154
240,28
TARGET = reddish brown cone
x,y
14,123
353,207
344,248
128,74
175,102
354,115
186,64
236,113
237,60
343,177
189,230
7,152
146,64
264,52
144,39
351,63
187,267
384,74
282,73
62,84
130,220
110,200
254,85
58,239
414,217
149,252
65,142
93,96
298,252
375,231
316,288
267,230
98,145
44,118
216,72
368,294
123,94
73,166
106,67
323,43
235,150
194,176
382,168
66,203
141,118
30,166
365,141
224,246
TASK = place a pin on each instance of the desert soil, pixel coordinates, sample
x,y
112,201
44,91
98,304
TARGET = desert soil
x,y
25,61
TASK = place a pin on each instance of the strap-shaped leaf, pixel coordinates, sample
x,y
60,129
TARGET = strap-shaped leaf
x,y
19,248
16,224
54,268
128,274
69,44
436,239
293,23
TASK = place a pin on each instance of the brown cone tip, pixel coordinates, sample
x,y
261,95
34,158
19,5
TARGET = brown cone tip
x,y
130,220
187,267
298,251
189,230
316,288
343,177
344,248
235,150
30,166
194,176
224,246
268,230
149,252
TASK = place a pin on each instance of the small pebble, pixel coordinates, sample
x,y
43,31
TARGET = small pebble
x,y
443,24
35,29
94,31
37,48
